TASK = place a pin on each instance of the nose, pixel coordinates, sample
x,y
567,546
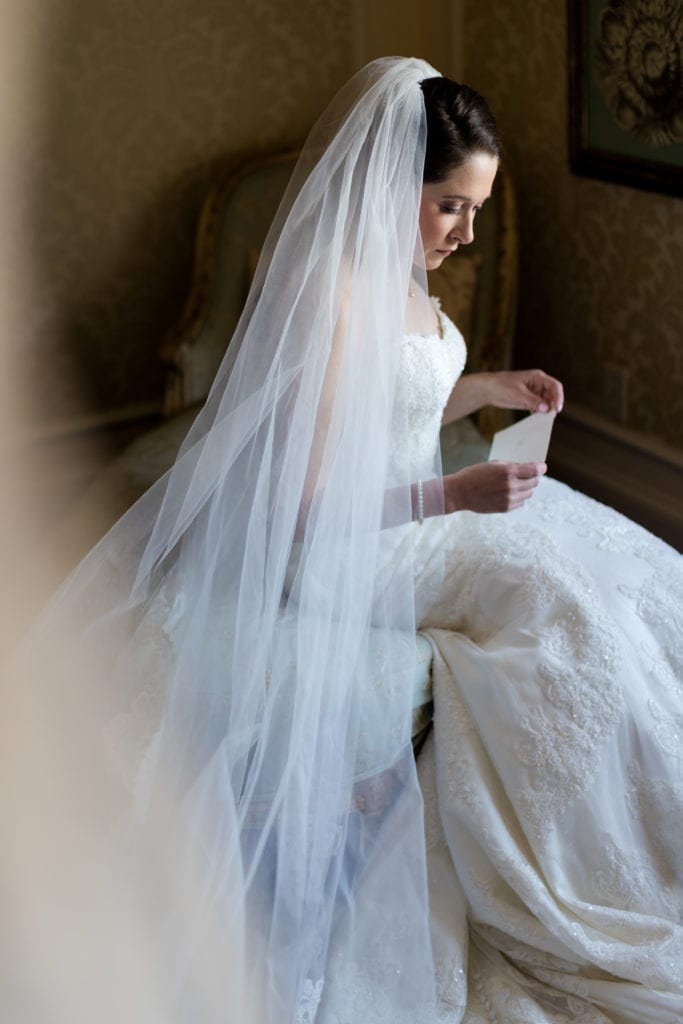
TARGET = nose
x,y
463,230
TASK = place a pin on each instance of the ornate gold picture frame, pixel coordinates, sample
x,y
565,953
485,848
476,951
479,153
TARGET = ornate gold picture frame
x,y
626,92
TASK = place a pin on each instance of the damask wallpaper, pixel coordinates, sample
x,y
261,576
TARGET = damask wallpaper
x,y
140,101
601,286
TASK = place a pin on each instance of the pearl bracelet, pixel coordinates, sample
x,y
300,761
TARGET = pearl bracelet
x,y
420,503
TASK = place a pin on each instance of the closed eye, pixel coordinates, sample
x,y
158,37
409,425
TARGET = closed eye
x,y
453,210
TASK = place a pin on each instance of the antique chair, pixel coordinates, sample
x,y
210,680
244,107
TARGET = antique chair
x,y
477,289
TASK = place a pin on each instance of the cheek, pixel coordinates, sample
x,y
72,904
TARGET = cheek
x,y
423,221
429,227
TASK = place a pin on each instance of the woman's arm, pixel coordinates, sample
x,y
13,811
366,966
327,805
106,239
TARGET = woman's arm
x,y
485,487
508,389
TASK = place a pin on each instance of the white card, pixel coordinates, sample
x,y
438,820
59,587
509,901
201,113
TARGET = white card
x,y
526,441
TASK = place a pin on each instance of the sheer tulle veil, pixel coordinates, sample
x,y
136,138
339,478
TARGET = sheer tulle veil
x,y
234,615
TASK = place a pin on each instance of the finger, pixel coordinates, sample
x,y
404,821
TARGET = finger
x,y
527,470
517,502
549,392
536,400
537,388
543,404
553,393
521,497
526,483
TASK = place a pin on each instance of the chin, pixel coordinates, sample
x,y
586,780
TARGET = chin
x,y
433,260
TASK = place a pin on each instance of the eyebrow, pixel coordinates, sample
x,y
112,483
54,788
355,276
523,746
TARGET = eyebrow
x,y
465,198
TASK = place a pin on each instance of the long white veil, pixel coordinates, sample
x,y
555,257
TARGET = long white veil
x,y
235,618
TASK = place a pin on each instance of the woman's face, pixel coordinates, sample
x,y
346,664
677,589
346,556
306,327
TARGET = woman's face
x,y
448,207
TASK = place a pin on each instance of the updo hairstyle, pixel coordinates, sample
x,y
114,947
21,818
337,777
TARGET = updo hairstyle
x,y
459,124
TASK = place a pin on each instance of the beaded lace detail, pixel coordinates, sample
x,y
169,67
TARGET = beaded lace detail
x,y
430,365
554,777
559,778
553,780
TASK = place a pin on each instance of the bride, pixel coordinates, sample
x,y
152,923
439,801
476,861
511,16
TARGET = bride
x,y
255,618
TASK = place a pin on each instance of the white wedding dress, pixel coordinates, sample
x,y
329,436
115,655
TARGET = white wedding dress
x,y
553,778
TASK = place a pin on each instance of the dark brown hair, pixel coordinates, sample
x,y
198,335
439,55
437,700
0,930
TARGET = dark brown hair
x,y
459,124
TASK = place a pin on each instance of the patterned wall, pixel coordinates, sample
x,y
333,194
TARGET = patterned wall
x,y
141,100
601,280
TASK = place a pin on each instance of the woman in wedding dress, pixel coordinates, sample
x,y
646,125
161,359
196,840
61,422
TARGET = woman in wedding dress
x,y
553,782
254,619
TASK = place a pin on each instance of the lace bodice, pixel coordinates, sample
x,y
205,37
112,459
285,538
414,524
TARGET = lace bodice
x,y
429,367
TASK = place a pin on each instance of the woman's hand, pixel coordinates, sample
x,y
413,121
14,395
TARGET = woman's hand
x,y
508,389
492,486
525,389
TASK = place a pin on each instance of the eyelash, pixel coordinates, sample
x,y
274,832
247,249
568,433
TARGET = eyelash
x,y
453,210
